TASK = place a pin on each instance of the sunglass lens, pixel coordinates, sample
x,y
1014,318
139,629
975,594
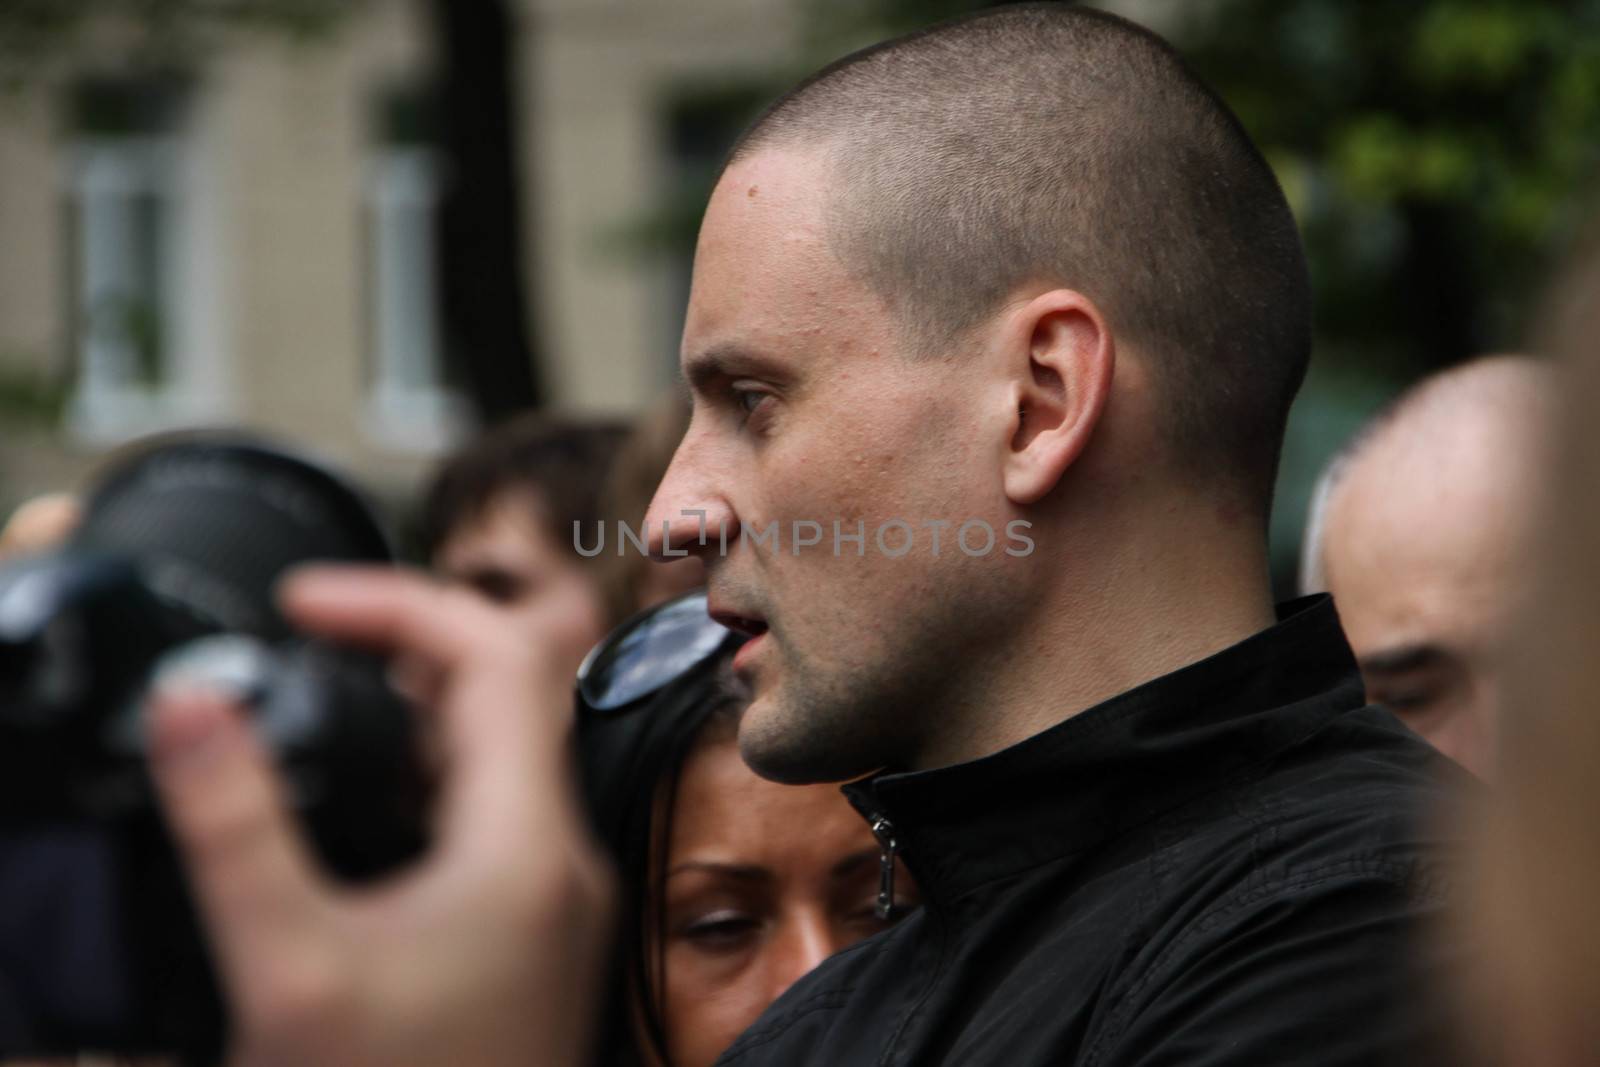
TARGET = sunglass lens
x,y
660,648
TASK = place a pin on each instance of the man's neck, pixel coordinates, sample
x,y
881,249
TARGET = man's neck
x,y
1137,615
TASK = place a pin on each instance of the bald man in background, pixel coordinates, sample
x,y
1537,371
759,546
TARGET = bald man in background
x,y
1419,530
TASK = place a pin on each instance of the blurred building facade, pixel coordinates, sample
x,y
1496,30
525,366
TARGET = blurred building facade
x,y
248,240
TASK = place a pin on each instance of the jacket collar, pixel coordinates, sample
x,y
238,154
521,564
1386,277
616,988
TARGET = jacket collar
x,y
1123,761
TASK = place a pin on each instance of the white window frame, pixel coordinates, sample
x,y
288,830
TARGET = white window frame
x,y
408,407
108,403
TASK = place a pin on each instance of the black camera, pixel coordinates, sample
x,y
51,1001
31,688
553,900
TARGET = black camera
x,y
172,569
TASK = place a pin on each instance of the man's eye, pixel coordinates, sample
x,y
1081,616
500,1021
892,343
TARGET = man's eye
x,y
499,586
749,400
1409,700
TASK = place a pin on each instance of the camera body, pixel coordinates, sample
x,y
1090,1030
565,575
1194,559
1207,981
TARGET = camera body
x,y
171,573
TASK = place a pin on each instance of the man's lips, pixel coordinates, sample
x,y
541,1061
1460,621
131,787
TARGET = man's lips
x,y
741,658
752,625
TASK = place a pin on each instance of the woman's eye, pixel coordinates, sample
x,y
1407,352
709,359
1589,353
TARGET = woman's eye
x,y
721,931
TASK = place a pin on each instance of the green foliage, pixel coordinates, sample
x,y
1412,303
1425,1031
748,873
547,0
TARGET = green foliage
x,y
172,33
29,398
1444,150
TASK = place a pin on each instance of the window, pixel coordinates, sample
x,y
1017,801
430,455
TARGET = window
x,y
138,324
411,404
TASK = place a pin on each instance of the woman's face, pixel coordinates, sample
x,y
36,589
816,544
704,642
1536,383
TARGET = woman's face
x,y
763,882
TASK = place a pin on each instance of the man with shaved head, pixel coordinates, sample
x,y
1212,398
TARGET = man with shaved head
x,y
1024,267
1419,529
1023,272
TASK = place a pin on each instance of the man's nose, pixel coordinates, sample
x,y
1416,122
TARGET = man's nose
x,y
684,519
689,531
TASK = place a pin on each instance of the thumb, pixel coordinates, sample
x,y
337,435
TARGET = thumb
x,y
258,893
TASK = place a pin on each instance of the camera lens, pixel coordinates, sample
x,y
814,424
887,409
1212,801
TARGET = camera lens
x,y
213,522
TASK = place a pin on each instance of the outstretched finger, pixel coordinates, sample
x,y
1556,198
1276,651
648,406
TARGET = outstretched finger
x,y
263,904
384,608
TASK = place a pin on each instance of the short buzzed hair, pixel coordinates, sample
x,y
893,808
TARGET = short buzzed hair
x,y
1045,142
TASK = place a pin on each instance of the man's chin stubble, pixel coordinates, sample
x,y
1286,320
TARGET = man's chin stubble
x,y
809,738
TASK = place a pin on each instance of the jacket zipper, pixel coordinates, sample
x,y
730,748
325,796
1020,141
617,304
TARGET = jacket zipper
x,y
883,830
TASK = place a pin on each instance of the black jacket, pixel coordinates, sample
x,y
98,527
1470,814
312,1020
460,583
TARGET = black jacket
x,y
1227,865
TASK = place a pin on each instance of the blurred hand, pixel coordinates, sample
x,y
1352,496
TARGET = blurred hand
x,y
40,523
490,951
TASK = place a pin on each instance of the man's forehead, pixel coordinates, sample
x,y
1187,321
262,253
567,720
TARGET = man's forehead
x,y
766,211
769,181
1467,450
1420,557
1410,485
1393,520
768,282
758,242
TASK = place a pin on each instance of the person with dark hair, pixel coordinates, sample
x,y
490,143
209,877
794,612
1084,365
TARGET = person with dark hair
x,y
732,886
499,517
1023,272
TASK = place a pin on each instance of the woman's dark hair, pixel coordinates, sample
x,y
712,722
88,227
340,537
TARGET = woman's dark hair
x,y
631,764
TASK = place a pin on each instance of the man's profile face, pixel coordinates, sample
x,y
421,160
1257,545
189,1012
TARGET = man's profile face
x,y
808,408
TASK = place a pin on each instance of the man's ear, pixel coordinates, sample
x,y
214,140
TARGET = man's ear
x,y
1064,356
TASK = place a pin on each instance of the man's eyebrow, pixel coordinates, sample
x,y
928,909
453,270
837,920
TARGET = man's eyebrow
x,y
1404,658
726,361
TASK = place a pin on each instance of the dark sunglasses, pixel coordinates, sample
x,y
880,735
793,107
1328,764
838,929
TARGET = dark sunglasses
x,y
651,651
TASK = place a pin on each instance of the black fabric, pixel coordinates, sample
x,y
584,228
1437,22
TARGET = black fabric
x,y
1233,864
